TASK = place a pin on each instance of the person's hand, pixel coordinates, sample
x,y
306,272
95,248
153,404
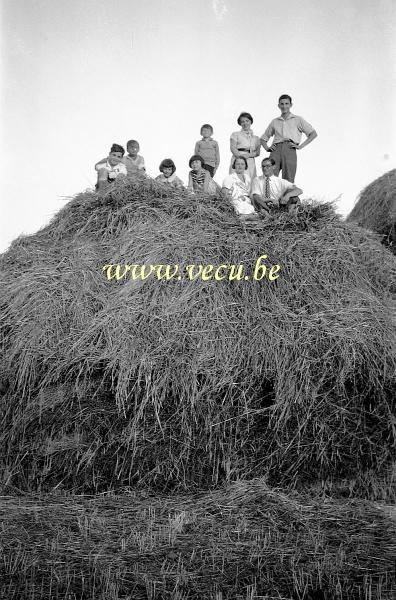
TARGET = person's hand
x,y
295,146
266,204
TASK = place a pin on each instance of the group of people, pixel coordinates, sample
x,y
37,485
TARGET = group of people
x,y
250,195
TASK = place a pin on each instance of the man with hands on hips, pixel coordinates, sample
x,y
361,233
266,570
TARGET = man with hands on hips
x,y
287,131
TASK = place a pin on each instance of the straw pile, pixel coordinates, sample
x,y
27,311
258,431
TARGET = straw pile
x,y
245,542
376,208
187,384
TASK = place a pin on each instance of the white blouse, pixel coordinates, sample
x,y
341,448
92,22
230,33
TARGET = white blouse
x,y
240,193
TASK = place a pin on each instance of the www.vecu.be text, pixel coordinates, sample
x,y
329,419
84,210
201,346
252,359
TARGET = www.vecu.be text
x,y
164,272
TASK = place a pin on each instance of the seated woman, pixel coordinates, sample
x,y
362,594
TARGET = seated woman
x,y
168,174
111,167
199,179
245,144
237,188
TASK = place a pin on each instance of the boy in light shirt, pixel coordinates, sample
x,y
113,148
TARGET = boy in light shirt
x,y
208,148
111,167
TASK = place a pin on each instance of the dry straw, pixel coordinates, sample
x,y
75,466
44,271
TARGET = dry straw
x,y
245,542
188,384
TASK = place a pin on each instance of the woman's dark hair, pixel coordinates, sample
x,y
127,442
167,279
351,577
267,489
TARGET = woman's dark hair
x,y
239,158
167,162
196,157
207,127
117,148
246,115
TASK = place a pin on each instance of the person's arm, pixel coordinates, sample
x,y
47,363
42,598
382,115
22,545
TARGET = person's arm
x,y
257,150
234,149
258,200
196,149
217,157
268,133
100,164
308,130
190,183
310,138
206,181
289,193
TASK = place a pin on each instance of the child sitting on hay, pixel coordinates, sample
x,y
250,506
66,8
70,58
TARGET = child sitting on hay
x,y
199,179
270,191
168,175
111,167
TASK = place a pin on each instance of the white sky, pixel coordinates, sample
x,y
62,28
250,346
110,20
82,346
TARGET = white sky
x,y
79,75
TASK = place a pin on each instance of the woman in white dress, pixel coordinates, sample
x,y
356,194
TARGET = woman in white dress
x,y
245,144
237,188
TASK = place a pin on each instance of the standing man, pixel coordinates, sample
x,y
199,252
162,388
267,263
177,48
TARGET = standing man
x,y
287,130
269,190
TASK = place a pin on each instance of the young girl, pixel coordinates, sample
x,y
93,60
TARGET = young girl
x,y
168,175
199,179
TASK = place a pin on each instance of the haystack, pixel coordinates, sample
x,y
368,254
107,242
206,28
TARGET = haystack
x,y
375,208
185,383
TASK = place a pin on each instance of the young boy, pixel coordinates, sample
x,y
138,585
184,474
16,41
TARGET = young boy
x,y
208,148
111,167
133,161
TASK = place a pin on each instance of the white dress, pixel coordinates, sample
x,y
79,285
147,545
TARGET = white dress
x,y
240,193
245,141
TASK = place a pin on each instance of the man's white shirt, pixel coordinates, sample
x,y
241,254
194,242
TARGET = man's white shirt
x,y
277,185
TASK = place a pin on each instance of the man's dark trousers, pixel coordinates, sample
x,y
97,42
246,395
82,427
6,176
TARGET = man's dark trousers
x,y
285,160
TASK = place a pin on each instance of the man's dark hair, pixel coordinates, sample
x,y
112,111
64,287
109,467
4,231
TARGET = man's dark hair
x,y
285,97
268,159
245,115
117,148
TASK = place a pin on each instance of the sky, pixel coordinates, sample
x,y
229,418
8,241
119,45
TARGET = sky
x,y
80,75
